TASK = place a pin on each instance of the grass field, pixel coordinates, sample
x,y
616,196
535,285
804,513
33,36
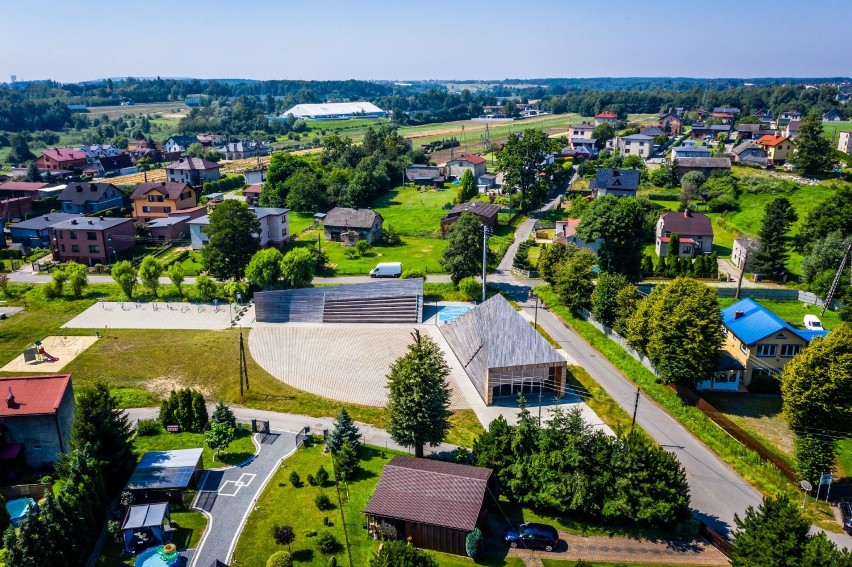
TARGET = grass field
x,y
240,450
830,130
142,366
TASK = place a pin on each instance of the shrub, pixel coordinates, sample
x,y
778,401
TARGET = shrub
x,y
322,501
311,480
295,480
280,559
321,476
723,203
390,236
765,385
206,287
470,288
310,533
283,535
327,544
362,246
473,543
350,253
148,427
412,274
46,479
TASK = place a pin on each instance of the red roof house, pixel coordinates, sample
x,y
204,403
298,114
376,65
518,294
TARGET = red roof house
x,y
606,117
37,414
59,159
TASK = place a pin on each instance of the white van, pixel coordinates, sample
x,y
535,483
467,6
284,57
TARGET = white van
x,y
387,270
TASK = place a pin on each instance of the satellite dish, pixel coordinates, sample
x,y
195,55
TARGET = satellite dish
x,y
806,485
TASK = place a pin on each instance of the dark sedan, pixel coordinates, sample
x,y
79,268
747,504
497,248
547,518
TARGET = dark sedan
x,y
532,536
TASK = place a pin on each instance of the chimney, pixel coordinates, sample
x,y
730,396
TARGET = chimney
x,y
102,218
46,218
738,314
10,399
687,213
91,221
73,221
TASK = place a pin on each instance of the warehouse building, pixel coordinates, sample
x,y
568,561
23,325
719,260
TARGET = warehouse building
x,y
335,111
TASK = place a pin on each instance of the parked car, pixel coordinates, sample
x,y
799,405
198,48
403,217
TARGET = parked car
x,y
387,270
812,323
846,513
532,536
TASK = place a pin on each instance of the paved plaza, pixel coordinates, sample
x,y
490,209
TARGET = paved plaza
x,y
156,315
340,361
64,349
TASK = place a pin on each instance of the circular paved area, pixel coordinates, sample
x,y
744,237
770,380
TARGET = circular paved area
x,y
345,362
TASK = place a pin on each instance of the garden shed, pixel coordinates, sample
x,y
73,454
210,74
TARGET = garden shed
x,y
435,503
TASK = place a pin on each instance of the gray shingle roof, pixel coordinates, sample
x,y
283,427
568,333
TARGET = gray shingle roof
x,y
87,192
687,224
723,163
350,218
616,179
90,223
42,222
431,492
479,208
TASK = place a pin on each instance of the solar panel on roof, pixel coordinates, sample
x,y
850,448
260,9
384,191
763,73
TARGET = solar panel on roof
x,y
165,469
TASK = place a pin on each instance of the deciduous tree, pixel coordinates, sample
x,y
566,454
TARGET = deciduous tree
x,y
150,271
218,436
620,222
573,280
522,161
605,297
234,237
550,257
467,187
124,274
419,396
297,268
176,275
264,268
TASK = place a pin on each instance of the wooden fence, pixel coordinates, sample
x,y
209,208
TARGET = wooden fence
x,y
717,540
34,491
735,430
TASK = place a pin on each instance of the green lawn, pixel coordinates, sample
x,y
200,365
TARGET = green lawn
x,y
190,528
240,450
792,312
414,212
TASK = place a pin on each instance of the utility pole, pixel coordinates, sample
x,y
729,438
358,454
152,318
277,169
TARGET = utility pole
x,y
243,366
635,409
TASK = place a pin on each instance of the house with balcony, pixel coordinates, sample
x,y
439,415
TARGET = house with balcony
x,y
695,232
156,200
757,344
274,227
84,198
91,240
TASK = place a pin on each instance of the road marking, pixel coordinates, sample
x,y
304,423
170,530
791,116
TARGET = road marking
x,y
244,480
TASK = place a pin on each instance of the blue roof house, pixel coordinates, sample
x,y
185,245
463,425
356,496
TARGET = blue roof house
x,y
35,232
757,344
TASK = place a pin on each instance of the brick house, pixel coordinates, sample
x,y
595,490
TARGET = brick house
x,y
157,200
91,240
61,159
671,122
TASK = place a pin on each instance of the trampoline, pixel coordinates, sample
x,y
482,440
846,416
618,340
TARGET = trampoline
x,y
18,509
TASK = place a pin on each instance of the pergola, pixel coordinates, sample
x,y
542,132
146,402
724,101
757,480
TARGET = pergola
x,y
147,521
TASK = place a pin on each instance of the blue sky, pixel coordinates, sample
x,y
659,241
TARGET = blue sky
x,y
460,39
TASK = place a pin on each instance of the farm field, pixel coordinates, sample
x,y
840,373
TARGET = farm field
x,y
142,109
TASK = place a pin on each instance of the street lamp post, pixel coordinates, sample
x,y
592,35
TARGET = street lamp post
x,y
485,232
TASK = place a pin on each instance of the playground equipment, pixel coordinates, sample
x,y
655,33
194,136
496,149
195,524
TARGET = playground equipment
x,y
35,353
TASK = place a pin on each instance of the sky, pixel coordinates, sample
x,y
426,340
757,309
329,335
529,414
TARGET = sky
x,y
406,40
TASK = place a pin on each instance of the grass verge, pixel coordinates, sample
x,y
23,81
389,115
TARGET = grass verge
x,y
240,450
760,474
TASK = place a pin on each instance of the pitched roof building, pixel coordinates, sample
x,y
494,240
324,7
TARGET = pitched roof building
x,y
485,212
618,182
85,198
195,171
435,503
360,224
694,229
502,354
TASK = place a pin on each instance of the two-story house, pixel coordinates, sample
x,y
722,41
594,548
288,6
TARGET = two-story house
x,y
456,167
777,148
274,227
690,151
636,145
35,232
695,232
95,151
583,130
758,342
157,200
618,182
749,152
83,198
195,171
91,240
244,150
844,142
179,144
211,138
671,123
61,159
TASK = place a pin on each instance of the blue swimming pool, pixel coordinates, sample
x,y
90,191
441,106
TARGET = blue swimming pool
x,y
18,509
154,557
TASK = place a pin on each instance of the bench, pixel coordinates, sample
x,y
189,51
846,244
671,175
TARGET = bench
x,y
173,428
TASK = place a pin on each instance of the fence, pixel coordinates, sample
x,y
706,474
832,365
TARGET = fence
x,y
717,540
771,294
524,273
700,403
34,491
616,338
302,435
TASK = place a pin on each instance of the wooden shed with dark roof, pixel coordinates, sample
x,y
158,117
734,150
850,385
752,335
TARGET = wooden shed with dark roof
x,y
435,503
485,212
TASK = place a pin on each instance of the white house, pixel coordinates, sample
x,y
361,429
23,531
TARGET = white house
x,y
255,176
195,171
844,143
583,130
95,151
636,145
473,162
179,143
743,251
274,227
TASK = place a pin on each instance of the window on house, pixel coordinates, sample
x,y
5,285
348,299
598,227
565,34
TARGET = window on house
x,y
790,350
91,235
743,348
167,209
766,350
75,248
72,235
146,209
62,247
94,249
